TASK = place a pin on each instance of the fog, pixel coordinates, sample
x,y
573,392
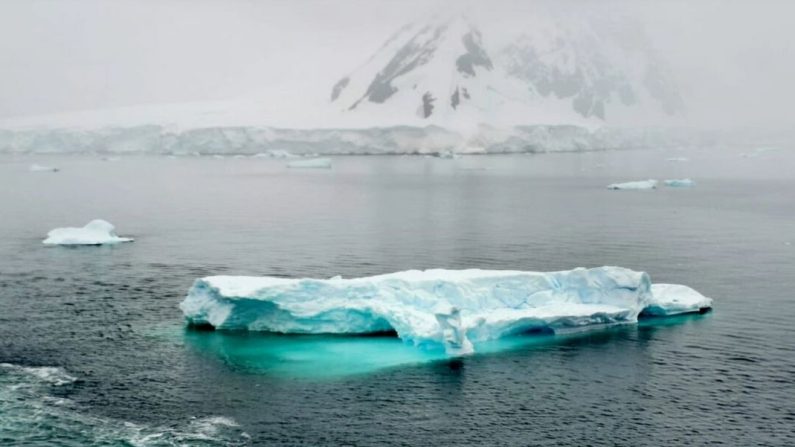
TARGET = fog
x,y
734,61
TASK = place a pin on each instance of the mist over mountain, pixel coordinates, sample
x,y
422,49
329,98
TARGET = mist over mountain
x,y
457,65
447,72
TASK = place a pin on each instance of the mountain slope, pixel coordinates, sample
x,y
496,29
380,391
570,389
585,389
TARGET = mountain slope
x,y
445,72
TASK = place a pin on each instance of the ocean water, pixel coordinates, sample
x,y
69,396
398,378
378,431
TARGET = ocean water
x,y
93,349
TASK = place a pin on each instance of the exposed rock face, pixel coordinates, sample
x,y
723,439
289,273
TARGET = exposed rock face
x,y
570,67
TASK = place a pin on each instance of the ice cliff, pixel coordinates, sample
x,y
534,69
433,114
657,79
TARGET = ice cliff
x,y
164,139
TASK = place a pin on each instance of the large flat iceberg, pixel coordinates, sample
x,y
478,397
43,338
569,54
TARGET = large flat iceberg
x,y
96,232
450,309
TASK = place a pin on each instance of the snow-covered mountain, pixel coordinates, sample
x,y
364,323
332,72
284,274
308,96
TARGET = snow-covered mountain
x,y
552,84
447,72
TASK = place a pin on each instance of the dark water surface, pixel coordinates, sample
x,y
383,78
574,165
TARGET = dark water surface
x,y
124,371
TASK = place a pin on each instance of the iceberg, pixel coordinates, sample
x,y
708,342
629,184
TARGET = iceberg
x,y
40,168
679,183
96,232
451,310
641,184
677,159
319,163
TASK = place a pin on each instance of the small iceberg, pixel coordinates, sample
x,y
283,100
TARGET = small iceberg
x,y
96,232
641,184
679,183
317,163
41,168
677,159
449,311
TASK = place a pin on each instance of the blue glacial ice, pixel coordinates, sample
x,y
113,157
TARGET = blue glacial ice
x,y
454,310
96,232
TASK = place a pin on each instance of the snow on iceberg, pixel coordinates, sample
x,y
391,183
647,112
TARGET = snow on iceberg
x,y
41,168
96,232
453,309
679,183
642,184
321,163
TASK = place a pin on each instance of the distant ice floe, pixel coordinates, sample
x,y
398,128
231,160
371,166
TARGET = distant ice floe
x,y
757,152
96,232
453,310
677,159
41,168
275,153
679,183
641,184
316,163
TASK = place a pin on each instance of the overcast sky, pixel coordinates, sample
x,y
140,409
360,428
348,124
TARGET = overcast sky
x,y
735,61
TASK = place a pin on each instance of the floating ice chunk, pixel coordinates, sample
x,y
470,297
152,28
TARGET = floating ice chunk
x,y
41,168
641,184
320,163
677,159
96,232
450,309
679,183
673,299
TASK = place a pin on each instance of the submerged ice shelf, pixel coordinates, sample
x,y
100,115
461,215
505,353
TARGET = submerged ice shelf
x,y
453,310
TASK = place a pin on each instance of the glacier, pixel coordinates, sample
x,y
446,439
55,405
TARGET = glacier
x,y
96,232
194,138
448,310
640,184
